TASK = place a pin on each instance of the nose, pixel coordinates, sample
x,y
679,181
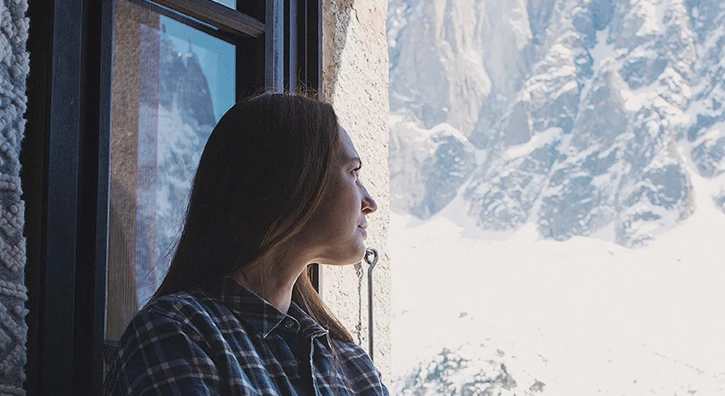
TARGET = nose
x,y
368,203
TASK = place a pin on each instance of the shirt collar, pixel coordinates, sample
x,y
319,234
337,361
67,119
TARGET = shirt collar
x,y
308,326
262,316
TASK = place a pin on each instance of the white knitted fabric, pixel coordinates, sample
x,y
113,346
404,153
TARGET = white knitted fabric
x,y
13,294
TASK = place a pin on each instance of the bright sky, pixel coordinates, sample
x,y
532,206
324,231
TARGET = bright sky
x,y
228,3
217,59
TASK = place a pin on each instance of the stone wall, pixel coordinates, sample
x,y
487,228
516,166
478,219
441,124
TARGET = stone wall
x,y
355,81
14,70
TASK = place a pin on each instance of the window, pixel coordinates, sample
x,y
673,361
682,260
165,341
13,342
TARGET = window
x,y
171,84
118,115
229,3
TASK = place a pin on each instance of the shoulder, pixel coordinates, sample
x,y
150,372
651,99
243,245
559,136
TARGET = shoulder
x,y
178,316
194,310
168,338
359,368
351,351
181,307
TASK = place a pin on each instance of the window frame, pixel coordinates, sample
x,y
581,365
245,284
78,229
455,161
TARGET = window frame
x,y
66,159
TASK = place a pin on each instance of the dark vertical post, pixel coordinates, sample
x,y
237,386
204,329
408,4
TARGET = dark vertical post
x,y
33,177
314,44
57,237
309,67
93,198
274,45
293,37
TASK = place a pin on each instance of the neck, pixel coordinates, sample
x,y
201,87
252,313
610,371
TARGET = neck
x,y
271,277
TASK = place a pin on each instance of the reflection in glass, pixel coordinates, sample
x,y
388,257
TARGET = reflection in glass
x,y
171,84
229,3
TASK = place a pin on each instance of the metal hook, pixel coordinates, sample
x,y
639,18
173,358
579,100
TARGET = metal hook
x,y
371,261
371,257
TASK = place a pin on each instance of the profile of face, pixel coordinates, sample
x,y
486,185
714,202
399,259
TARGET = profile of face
x,y
336,232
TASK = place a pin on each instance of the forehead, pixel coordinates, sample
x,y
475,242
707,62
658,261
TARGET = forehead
x,y
347,148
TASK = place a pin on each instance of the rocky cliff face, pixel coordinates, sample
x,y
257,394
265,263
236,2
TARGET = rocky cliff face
x,y
180,119
186,119
585,118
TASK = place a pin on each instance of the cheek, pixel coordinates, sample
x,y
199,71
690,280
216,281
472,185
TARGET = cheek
x,y
349,201
342,196
332,208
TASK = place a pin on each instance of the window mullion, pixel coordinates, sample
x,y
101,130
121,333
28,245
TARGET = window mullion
x,y
217,15
274,44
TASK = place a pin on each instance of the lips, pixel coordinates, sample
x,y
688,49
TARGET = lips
x,y
363,227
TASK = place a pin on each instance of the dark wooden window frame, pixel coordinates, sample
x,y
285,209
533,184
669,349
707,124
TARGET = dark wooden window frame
x,y
66,153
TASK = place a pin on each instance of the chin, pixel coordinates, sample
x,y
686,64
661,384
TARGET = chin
x,y
360,253
353,257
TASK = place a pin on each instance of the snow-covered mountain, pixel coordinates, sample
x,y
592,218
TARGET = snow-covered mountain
x,y
180,118
558,178
575,116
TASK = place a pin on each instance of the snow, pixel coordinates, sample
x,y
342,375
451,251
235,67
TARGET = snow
x,y
607,233
538,140
712,39
603,54
714,132
660,10
651,16
602,50
520,26
396,22
635,99
481,156
569,86
585,316
416,133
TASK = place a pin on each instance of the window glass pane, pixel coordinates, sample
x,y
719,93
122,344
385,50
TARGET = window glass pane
x,y
171,84
229,3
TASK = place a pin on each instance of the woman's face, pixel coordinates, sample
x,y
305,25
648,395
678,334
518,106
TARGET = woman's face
x,y
336,231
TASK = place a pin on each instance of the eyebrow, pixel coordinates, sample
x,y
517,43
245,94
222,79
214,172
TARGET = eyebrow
x,y
356,159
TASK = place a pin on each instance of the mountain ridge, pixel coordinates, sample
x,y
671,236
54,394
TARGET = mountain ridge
x,y
577,116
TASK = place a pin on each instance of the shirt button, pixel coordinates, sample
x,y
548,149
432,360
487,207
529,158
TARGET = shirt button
x,y
289,325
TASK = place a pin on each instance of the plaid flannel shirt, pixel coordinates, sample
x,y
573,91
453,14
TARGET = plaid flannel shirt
x,y
234,343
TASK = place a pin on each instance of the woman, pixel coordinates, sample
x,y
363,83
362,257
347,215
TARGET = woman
x,y
277,189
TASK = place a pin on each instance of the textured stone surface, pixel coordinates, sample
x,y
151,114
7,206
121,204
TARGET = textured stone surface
x,y
355,81
13,294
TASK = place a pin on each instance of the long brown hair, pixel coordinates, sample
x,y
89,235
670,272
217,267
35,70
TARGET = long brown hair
x,y
261,176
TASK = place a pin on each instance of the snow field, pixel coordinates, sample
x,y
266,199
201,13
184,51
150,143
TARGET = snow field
x,y
584,316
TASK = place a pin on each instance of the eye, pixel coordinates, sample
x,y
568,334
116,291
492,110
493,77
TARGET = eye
x,y
356,171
